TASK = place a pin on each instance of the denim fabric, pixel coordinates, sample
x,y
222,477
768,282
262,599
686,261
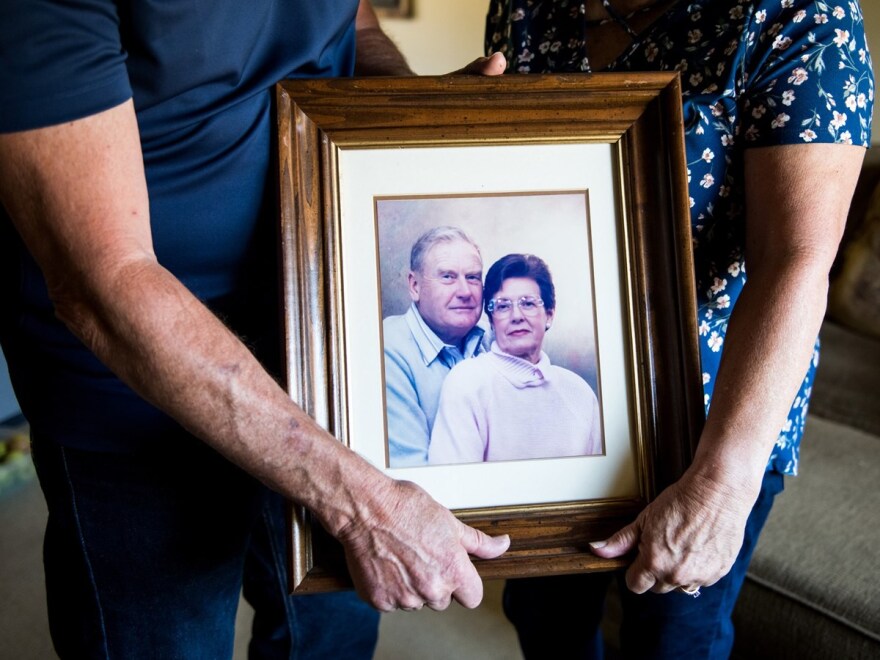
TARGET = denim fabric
x,y
145,557
559,617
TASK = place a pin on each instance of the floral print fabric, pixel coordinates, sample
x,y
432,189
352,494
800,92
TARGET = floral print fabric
x,y
754,73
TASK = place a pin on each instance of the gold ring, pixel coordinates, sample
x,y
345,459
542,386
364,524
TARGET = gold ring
x,y
690,591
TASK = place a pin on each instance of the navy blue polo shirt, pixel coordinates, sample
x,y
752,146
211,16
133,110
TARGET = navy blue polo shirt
x,y
201,74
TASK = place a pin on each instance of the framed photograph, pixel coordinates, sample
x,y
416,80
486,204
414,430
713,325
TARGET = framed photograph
x,y
488,291
393,8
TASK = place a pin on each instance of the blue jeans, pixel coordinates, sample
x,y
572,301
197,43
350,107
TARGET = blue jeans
x,y
145,556
559,617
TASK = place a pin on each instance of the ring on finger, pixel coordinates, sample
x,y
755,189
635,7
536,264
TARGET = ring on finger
x,y
692,590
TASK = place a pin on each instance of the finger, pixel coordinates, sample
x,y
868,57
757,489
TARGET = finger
x,y
638,578
410,603
482,545
470,590
440,605
663,588
494,65
619,544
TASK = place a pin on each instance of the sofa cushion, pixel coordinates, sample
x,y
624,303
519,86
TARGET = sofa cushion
x,y
812,588
855,289
770,626
848,379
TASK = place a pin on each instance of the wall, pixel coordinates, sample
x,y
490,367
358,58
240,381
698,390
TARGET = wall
x,y
443,35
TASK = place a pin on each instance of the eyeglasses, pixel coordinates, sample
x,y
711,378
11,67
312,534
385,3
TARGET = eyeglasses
x,y
528,305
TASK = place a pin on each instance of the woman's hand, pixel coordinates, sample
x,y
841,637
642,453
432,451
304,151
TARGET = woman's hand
x,y
691,534
688,537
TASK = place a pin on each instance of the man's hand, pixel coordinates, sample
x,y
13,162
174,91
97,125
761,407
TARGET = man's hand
x,y
78,197
688,537
406,550
377,55
494,65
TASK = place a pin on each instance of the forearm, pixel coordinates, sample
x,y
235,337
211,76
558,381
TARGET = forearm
x,y
767,350
791,242
77,195
142,323
376,54
692,532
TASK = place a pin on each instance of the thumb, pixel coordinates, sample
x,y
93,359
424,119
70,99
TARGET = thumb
x,y
494,65
482,545
619,544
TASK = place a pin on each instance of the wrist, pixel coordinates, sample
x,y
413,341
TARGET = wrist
x,y
735,469
346,490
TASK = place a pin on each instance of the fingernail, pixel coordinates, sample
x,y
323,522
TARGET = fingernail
x,y
597,545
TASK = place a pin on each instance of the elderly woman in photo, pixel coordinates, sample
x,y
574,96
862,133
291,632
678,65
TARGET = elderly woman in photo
x,y
511,403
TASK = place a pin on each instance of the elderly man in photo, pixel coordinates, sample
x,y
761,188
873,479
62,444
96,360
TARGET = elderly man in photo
x,y
438,331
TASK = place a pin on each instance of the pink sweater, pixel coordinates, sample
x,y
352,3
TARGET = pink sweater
x,y
497,407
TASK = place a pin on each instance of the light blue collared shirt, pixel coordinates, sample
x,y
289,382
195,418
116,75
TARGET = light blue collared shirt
x,y
416,364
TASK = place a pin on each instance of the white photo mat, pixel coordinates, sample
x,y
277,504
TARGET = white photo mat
x,y
364,175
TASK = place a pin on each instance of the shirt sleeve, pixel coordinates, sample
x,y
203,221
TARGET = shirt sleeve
x,y
59,61
408,433
810,77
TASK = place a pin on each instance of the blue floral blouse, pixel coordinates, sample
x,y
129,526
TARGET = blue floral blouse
x,y
754,73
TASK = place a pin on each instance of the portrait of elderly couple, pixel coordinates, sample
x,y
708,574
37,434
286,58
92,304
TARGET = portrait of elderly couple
x,y
488,329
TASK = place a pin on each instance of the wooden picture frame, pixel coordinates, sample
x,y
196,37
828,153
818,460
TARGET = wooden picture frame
x,y
347,146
